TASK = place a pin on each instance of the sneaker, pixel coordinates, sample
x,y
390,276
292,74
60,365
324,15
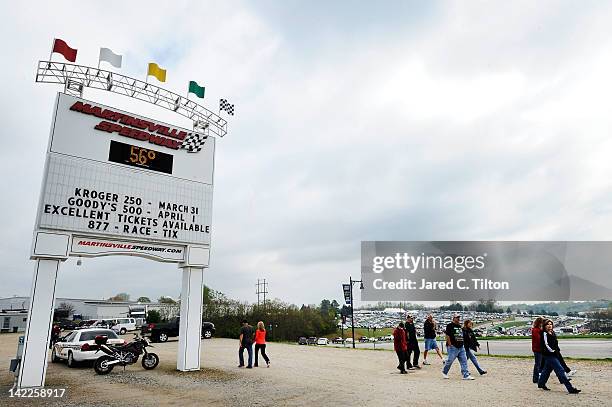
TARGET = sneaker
x,y
469,378
249,367
240,365
426,362
571,373
417,366
403,372
411,368
444,375
485,372
574,390
543,387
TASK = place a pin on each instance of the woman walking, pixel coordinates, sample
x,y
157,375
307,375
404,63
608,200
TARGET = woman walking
x,y
536,338
471,344
550,351
260,344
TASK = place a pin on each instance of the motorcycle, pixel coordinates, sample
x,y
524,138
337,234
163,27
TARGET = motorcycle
x,y
123,355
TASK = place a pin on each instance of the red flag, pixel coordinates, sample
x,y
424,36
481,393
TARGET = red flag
x,y
61,47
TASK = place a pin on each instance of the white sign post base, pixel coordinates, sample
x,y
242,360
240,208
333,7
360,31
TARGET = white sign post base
x,y
190,328
42,298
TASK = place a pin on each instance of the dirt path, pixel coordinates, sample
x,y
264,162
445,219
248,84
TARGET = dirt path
x,y
307,376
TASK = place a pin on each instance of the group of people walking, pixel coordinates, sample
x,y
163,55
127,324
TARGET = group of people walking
x,y
462,344
246,339
460,341
547,356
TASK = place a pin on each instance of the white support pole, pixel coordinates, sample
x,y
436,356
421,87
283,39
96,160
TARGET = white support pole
x,y
190,328
42,300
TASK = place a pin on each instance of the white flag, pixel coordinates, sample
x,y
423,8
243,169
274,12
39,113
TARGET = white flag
x,y
110,57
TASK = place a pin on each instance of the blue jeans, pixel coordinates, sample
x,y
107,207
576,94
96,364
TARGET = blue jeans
x,y
472,357
552,363
454,353
536,366
249,349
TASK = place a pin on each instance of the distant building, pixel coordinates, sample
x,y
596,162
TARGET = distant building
x,y
13,321
82,309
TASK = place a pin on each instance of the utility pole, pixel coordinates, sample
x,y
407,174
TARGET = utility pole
x,y
351,282
261,289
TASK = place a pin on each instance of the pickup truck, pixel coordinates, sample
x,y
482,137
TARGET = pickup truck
x,y
161,331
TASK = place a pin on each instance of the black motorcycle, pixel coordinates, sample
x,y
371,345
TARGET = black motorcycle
x,y
123,355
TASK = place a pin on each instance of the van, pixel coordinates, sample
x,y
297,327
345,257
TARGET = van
x,y
124,324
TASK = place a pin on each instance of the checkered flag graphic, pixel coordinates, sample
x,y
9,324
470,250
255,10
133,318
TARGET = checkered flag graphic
x,y
193,142
224,105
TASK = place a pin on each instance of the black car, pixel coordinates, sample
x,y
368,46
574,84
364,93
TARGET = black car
x,y
302,341
312,340
66,324
161,331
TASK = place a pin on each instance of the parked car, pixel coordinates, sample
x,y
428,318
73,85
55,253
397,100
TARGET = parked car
x,y
86,323
337,340
160,332
312,340
363,339
103,323
124,324
348,340
79,346
322,341
66,324
302,341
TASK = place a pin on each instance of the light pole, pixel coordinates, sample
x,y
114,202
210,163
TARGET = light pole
x,y
351,282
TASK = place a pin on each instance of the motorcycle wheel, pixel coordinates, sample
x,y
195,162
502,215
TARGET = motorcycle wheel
x,y
101,365
150,361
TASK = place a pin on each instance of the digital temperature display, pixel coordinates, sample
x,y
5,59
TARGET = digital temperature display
x,y
140,157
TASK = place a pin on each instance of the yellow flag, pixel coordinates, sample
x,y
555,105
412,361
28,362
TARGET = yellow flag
x,y
156,71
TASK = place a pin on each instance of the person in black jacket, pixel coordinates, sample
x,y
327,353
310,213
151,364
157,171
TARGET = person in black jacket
x,y
550,351
429,328
413,344
471,344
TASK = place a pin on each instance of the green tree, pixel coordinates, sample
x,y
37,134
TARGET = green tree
x,y
120,297
166,300
153,316
143,299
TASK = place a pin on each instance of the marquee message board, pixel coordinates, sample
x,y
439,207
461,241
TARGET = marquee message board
x,y
112,173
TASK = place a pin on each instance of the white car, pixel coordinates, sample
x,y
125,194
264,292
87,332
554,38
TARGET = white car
x,y
322,341
79,346
124,324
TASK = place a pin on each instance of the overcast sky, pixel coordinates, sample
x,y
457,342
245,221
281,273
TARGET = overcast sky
x,y
354,121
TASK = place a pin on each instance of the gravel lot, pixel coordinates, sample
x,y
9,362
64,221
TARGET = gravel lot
x,y
307,376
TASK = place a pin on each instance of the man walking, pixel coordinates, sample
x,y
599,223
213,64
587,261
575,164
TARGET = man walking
x,y
430,339
245,342
454,343
413,344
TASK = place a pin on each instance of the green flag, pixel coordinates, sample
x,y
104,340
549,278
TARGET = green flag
x,y
196,89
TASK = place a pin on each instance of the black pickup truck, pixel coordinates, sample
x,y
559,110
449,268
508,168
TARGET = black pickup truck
x,y
161,331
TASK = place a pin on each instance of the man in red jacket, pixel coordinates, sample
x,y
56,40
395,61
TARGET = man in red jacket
x,y
400,344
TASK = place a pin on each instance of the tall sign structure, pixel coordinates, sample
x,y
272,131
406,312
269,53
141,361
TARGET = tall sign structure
x,y
117,183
